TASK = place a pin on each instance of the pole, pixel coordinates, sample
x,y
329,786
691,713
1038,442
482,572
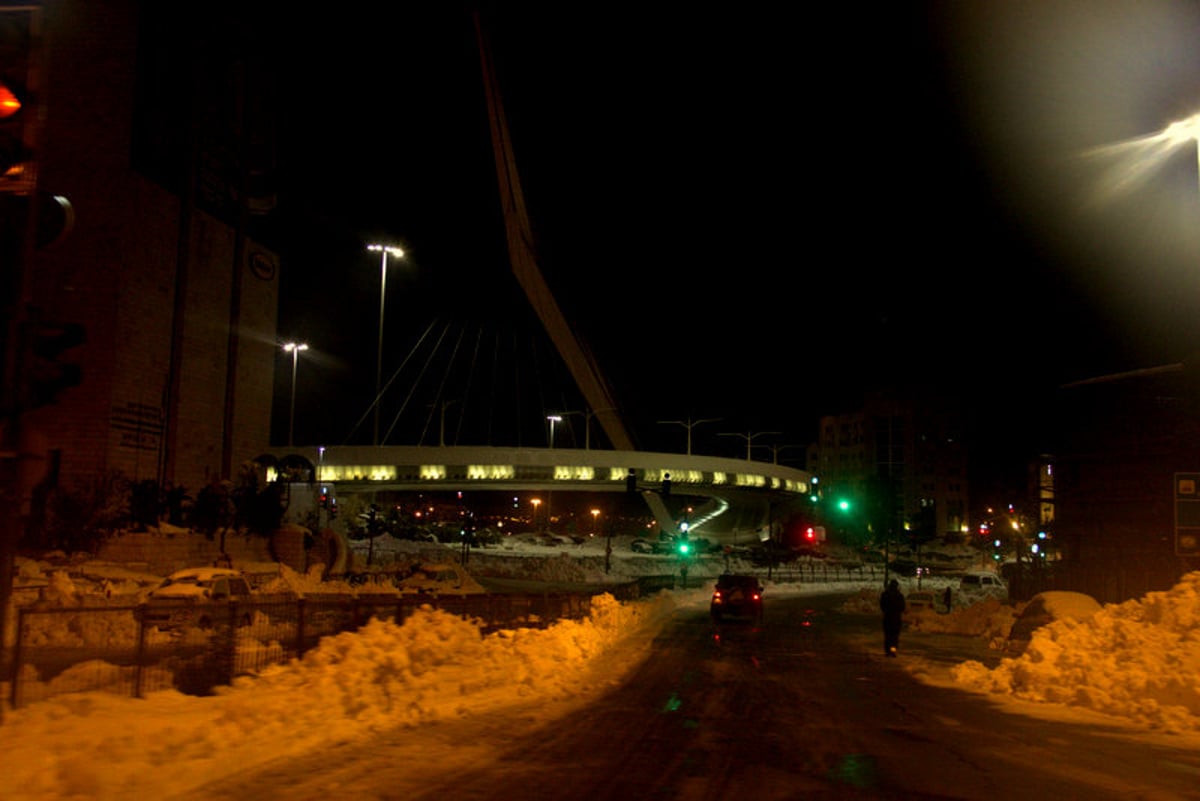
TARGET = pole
x,y
292,412
379,351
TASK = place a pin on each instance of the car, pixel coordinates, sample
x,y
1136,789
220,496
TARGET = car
x,y
921,601
440,579
194,597
1045,608
641,546
737,596
978,585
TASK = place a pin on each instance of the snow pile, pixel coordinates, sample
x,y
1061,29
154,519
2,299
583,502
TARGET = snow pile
x,y
1138,660
293,582
434,667
989,618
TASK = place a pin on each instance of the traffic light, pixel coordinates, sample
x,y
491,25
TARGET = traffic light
x,y
18,111
44,375
666,485
843,505
28,216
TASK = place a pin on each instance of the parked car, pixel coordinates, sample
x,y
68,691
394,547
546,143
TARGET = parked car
x,y
921,601
737,596
641,546
440,579
980,584
196,596
1045,608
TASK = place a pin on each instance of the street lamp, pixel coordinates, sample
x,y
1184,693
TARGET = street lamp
x,y
689,425
536,503
384,251
293,348
749,437
595,521
1184,132
553,418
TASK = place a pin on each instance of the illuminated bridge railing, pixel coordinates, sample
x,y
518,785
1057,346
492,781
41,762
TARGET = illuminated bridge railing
x,y
594,469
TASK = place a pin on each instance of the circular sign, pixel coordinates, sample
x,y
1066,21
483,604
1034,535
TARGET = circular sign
x,y
262,265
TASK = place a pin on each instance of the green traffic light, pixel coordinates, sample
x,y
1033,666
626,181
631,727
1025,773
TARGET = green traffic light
x,y
844,505
683,547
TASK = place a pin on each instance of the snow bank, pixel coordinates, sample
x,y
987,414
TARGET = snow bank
x,y
435,666
1138,660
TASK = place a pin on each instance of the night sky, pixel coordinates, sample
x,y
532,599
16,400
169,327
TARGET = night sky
x,y
748,215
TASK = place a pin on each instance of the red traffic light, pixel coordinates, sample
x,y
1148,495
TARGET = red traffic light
x,y
10,104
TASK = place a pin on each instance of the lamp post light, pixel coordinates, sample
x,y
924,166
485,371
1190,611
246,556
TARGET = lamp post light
x,y
536,503
749,437
689,425
553,418
384,251
293,348
1184,132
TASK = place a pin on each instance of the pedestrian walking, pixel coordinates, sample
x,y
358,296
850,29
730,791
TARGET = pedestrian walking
x,y
947,597
891,603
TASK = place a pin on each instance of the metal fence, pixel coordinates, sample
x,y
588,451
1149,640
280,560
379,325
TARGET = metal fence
x,y
112,648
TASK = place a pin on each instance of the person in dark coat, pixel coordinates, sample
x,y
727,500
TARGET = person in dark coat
x,y
891,603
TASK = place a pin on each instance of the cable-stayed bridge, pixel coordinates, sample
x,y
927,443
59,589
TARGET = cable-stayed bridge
x,y
738,496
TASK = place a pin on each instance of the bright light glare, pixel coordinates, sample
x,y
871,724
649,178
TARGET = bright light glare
x,y
294,346
1183,132
1141,156
391,251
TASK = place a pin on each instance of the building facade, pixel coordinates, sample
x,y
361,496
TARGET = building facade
x,y
900,462
162,266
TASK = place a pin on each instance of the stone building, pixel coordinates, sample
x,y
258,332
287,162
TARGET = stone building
x,y
157,130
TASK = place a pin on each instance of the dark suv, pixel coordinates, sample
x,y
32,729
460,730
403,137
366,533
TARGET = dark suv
x,y
737,596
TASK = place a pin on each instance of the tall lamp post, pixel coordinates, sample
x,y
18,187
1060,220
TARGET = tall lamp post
x,y
554,418
293,348
749,437
384,251
689,425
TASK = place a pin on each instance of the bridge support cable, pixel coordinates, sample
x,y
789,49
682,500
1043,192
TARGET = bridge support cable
x,y
439,401
378,398
413,387
467,389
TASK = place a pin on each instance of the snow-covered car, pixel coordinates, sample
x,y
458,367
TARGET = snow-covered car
x,y
641,546
197,596
921,601
440,579
978,585
1045,608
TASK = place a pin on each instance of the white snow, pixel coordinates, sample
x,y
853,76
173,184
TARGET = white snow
x,y
1137,662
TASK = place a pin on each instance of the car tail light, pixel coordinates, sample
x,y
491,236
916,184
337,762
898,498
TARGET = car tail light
x,y
717,597
756,596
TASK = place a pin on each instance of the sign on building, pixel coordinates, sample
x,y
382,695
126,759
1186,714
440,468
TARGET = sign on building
x,y
1187,514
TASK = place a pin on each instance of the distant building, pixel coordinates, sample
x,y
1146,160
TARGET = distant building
x,y
164,164
903,448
